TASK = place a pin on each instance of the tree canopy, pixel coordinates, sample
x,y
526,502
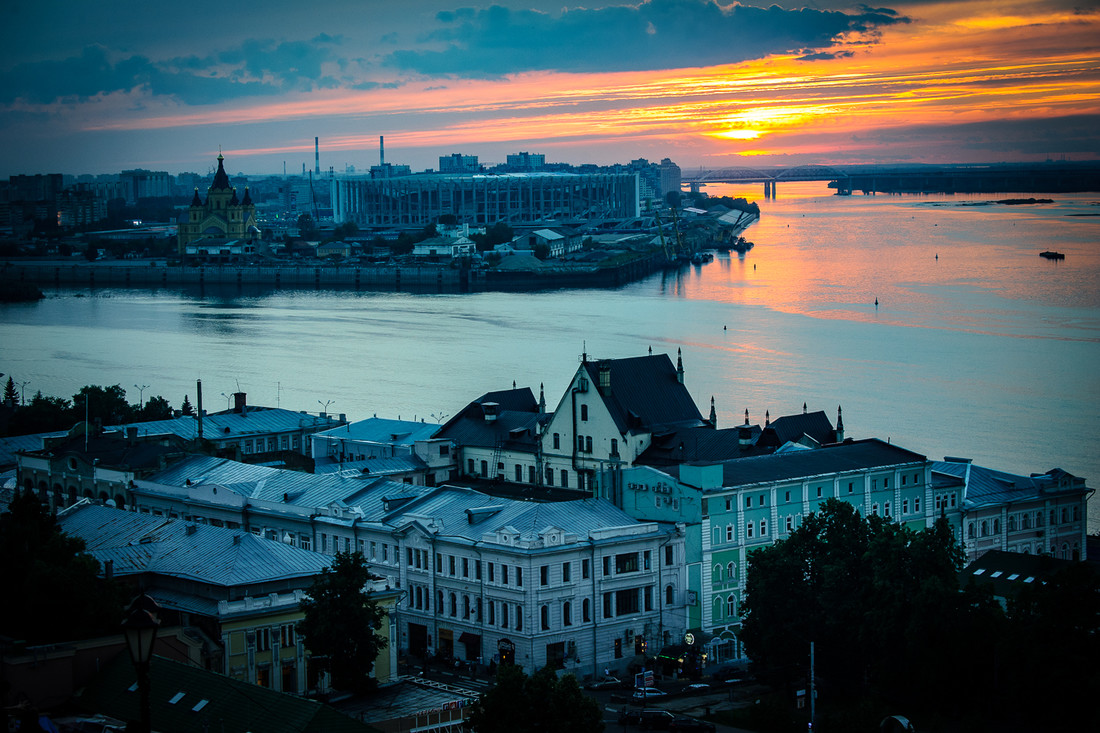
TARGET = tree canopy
x,y
107,405
893,630
44,571
541,703
342,620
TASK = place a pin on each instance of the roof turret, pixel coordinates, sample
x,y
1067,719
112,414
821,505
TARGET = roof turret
x,y
221,179
196,201
247,200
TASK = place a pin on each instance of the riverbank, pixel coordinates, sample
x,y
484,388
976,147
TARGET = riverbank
x,y
442,278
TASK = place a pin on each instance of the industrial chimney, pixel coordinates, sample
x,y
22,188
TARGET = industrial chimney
x,y
381,150
317,156
198,390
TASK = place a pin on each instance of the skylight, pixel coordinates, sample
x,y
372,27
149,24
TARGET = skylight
x,y
176,698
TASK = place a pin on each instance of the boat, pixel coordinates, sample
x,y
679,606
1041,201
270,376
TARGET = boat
x,y
742,246
1052,255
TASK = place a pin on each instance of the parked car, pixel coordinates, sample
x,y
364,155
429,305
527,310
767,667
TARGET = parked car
x,y
657,719
691,724
630,716
644,693
696,687
729,675
607,683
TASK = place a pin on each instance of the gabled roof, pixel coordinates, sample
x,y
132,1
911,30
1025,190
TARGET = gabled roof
x,y
143,543
841,457
645,394
514,425
113,449
792,428
208,700
1008,573
231,424
370,466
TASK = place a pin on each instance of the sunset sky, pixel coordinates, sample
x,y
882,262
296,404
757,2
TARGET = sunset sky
x,y
99,87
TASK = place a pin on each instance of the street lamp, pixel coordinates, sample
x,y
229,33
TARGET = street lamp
x,y
325,405
141,393
140,629
227,398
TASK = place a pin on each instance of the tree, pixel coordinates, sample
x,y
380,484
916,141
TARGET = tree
x,y
672,198
342,620
44,570
541,250
155,408
10,393
42,415
106,404
185,408
541,703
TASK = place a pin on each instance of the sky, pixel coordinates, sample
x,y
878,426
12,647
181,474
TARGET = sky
x,y
90,87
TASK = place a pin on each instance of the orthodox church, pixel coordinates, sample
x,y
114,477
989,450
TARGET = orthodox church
x,y
221,228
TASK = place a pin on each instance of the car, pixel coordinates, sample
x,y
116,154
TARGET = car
x,y
644,693
729,675
696,687
656,719
691,724
630,716
607,683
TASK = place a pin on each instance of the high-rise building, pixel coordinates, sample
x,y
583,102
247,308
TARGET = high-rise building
x,y
458,163
526,161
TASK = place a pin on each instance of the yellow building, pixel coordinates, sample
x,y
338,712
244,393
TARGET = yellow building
x,y
221,219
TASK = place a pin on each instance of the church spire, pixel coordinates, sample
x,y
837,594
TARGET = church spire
x,y
839,425
196,201
221,179
679,367
542,400
713,414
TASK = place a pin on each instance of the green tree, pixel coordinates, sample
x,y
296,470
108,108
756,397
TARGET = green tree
x,y
11,395
42,415
448,220
541,250
672,198
342,621
155,408
106,404
44,570
185,408
541,703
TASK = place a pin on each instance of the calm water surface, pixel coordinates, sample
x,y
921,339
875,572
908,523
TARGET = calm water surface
x,y
987,351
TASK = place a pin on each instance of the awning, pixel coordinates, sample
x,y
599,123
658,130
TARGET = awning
x,y
470,639
673,651
697,637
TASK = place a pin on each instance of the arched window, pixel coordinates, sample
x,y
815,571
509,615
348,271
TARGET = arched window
x,y
731,606
544,617
519,619
668,595
730,572
985,528
717,607
1065,551
454,605
586,610
996,526
1012,523
479,610
588,444
567,613
970,531
1076,552
716,576
465,606
1027,521
439,601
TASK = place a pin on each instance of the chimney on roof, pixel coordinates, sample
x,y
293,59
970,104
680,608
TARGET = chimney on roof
x,y
713,414
192,529
767,418
240,400
679,367
746,417
839,425
744,436
198,413
542,400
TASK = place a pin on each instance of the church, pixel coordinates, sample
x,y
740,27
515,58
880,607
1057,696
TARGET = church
x,y
222,228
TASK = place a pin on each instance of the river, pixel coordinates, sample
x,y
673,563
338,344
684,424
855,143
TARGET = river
x,y
977,347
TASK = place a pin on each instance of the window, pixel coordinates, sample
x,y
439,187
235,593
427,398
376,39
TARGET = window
x,y
790,523
748,530
465,567
544,617
451,564
607,605
607,565
567,613
1011,522
549,476
996,526
626,563
849,487
304,542
916,503
519,576
531,474
491,579
904,506
874,509
748,502
646,562
953,501
647,596
903,477
669,594
544,575
504,574
763,527
504,615
729,533
439,607
557,441
439,562
566,572
263,640
786,496
586,610
470,466
492,613
731,571
564,478
286,635
484,469
626,601
614,446
465,606
874,484
410,554
584,413
580,443
668,555
584,568
479,610
886,482
970,531
886,509
731,606
454,605
818,492
716,577
519,473
588,444
1027,521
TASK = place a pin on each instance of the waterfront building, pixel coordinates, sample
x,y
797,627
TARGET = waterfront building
x,y
222,226
729,508
579,584
445,247
400,450
238,594
481,200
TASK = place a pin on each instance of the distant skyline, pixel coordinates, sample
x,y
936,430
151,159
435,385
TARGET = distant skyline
x,y
98,88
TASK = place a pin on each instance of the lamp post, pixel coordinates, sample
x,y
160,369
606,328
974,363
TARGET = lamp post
x,y
141,393
140,629
325,404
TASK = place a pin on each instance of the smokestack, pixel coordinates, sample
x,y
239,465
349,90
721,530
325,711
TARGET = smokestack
x,y
381,150
198,389
317,156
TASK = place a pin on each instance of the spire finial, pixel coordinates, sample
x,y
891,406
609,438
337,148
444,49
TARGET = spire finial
x,y
767,418
713,414
803,408
746,416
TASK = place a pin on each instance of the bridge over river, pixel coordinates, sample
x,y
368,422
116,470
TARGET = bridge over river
x,y
1050,177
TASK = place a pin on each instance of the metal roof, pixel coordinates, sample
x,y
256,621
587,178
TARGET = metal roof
x,y
143,543
230,425
644,393
857,455
985,486
382,430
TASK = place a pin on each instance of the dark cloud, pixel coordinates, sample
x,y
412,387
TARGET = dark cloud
x,y
256,67
826,55
656,34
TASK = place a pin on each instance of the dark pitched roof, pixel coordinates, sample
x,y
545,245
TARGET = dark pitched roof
x,y
114,450
247,200
701,444
210,699
986,486
848,456
516,416
196,201
644,393
792,428
221,179
1008,573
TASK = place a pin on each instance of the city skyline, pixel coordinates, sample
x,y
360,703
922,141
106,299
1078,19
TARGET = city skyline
x,y
703,83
